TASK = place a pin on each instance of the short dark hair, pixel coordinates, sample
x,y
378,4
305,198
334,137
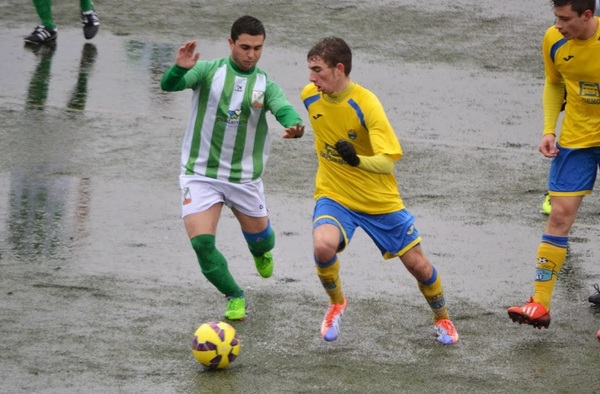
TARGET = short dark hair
x,y
332,50
579,6
247,25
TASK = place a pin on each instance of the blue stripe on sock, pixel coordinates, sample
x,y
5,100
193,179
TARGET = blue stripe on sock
x,y
258,236
327,263
433,278
561,242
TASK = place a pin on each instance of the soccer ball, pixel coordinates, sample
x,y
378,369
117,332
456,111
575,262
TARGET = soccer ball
x,y
216,344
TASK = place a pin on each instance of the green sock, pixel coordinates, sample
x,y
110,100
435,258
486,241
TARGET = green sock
x,y
44,11
86,5
214,265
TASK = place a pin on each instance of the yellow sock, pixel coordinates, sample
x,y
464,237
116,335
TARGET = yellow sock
x,y
550,259
330,279
434,294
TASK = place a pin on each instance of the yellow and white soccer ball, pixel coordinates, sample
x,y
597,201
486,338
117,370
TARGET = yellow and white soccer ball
x,y
216,344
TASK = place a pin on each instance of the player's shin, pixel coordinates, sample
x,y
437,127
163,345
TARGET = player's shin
x,y
551,256
329,275
214,265
262,242
434,294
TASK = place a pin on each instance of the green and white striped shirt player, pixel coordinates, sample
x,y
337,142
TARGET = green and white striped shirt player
x,y
227,136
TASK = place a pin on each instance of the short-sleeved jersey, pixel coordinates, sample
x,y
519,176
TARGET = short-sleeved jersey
x,y
227,137
577,64
360,118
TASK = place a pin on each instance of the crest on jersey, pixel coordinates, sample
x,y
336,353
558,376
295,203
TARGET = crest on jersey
x,y
258,99
352,134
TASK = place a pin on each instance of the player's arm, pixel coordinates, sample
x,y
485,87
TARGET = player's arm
x,y
377,164
284,112
383,140
554,86
177,77
173,79
553,96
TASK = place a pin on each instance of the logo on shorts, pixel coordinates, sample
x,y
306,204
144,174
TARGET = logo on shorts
x,y
187,196
411,230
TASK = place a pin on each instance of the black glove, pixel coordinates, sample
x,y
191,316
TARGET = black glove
x,y
347,151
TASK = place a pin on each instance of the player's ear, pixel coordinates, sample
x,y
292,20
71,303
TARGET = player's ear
x,y
339,68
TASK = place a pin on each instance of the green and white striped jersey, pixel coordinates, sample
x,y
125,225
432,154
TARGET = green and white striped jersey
x,y
227,137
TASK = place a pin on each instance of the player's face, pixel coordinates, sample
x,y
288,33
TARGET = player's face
x,y
246,50
569,24
327,79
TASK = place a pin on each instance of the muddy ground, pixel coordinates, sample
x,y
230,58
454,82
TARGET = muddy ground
x,y
100,290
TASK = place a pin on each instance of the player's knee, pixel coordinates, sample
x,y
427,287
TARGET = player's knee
x,y
323,250
323,255
260,243
204,246
560,221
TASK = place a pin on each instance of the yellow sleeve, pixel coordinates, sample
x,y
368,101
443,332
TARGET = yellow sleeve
x,y
377,164
553,97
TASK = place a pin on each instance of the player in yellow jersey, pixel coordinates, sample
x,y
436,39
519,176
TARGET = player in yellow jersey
x,y
546,204
355,185
571,53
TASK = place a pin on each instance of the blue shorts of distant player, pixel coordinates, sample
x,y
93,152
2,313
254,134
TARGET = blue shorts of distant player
x,y
573,171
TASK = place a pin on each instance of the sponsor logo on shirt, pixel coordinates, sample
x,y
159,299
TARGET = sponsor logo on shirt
x,y
589,92
331,154
233,117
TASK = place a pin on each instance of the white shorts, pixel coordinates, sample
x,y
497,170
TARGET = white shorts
x,y
200,193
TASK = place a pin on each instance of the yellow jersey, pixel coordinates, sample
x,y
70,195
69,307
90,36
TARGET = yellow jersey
x,y
576,63
358,116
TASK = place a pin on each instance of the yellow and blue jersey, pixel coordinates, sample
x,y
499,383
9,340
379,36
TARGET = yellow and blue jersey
x,y
576,63
358,116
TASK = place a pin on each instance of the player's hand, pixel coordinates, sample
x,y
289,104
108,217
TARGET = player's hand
x,y
548,145
187,55
347,151
296,131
